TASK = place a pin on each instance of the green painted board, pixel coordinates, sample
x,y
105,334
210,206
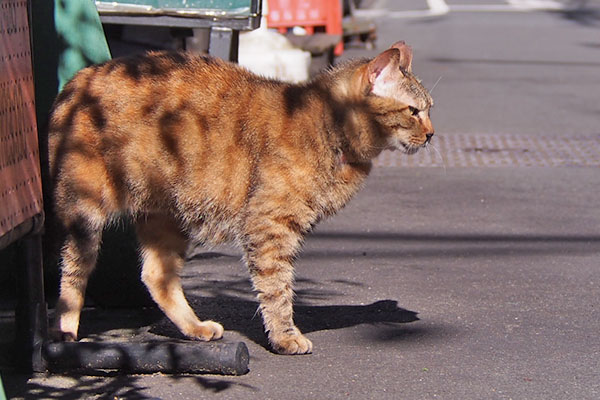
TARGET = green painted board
x,y
2,395
81,35
67,36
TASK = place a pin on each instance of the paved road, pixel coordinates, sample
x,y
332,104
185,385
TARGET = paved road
x,y
470,272
506,75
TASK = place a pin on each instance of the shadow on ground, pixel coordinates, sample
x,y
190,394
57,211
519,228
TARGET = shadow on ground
x,y
229,300
583,12
234,313
396,245
242,316
108,386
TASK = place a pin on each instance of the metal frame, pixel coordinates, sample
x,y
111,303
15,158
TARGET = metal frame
x,y
31,313
224,29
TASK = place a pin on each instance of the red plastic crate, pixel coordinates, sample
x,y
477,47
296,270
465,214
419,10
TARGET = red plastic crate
x,y
309,14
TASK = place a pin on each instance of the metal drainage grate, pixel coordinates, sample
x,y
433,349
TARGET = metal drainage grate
x,y
498,150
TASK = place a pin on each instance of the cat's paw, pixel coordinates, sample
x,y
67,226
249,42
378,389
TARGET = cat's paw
x,y
295,343
205,331
58,335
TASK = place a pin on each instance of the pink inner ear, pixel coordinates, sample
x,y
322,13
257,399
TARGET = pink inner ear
x,y
381,61
405,54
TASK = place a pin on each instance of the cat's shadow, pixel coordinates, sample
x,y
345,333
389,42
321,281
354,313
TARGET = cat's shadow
x,y
227,302
241,315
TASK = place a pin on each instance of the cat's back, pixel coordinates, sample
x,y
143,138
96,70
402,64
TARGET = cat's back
x,y
170,97
142,87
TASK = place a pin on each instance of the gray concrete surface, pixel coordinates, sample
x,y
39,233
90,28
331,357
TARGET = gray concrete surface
x,y
465,279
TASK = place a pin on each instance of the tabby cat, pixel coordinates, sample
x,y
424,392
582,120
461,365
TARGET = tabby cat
x,y
195,148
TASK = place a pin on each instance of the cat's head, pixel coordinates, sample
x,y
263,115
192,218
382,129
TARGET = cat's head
x,y
398,99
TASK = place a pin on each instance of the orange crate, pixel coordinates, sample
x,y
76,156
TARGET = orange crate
x,y
309,14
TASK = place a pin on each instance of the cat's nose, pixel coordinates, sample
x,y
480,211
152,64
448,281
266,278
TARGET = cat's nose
x,y
428,137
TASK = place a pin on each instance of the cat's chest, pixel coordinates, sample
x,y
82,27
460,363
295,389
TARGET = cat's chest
x,y
348,172
346,180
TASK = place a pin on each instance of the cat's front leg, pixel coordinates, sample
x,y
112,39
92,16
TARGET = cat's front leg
x,y
270,260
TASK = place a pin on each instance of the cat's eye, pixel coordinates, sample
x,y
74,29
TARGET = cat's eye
x,y
413,111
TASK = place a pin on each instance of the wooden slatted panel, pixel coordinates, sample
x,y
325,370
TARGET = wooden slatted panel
x,y
20,181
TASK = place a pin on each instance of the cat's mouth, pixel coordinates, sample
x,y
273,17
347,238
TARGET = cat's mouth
x,y
406,148
410,148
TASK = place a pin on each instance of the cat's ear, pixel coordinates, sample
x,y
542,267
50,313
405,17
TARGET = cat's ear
x,y
388,60
406,55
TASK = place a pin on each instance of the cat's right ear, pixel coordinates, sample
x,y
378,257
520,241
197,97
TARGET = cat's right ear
x,y
389,57
405,54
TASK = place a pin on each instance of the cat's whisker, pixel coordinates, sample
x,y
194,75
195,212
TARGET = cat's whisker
x,y
439,153
256,312
370,146
435,84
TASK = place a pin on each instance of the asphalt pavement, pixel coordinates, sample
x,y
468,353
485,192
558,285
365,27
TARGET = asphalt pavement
x,y
470,271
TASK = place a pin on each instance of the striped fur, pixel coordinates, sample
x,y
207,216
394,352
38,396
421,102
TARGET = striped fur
x,y
195,148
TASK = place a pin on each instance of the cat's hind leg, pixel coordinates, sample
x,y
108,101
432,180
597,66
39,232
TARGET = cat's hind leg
x,y
79,256
162,247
